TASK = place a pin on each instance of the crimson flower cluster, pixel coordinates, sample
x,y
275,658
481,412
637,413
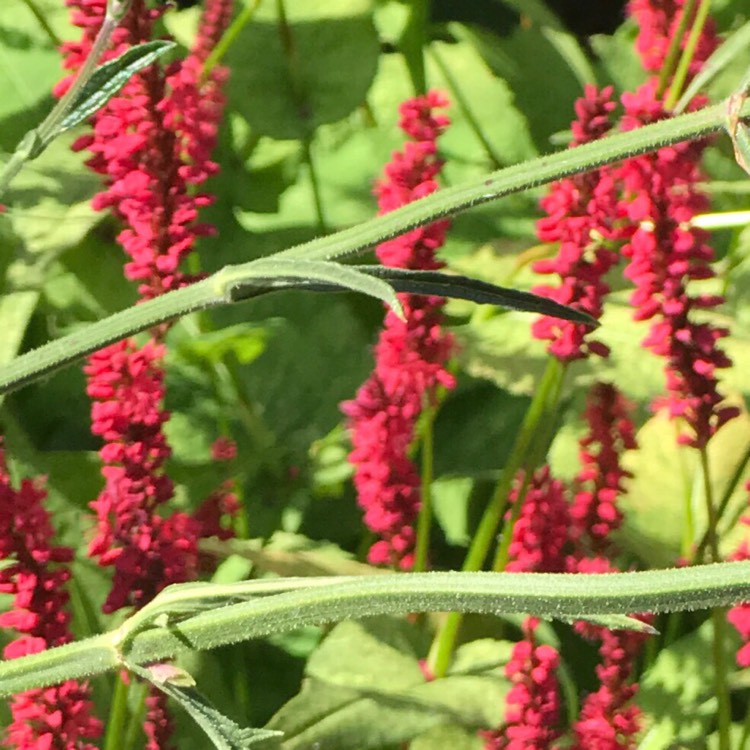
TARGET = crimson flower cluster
x,y
665,254
35,575
581,217
594,512
533,702
410,355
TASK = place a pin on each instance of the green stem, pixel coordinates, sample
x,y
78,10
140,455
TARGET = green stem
x,y
229,37
414,41
356,240
221,620
683,68
315,184
541,438
134,732
718,617
721,508
465,106
118,712
424,520
674,48
42,20
445,640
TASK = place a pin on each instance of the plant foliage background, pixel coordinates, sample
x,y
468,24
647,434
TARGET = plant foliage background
x,y
306,131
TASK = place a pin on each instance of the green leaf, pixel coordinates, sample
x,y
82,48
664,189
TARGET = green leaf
x,y
676,693
314,66
365,689
299,273
107,80
474,290
224,733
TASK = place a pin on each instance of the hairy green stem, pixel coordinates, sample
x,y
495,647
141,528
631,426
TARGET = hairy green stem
x,y
223,619
356,240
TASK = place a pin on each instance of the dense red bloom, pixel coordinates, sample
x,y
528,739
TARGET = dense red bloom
x,y
36,575
533,702
609,720
666,253
147,551
594,512
657,24
410,355
541,531
581,216
153,143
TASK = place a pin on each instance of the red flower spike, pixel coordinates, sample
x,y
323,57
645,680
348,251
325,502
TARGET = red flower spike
x,y
594,513
657,24
665,254
533,702
609,720
581,215
60,716
410,355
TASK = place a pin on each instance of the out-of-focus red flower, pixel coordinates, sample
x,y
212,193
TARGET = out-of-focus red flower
x,y
410,355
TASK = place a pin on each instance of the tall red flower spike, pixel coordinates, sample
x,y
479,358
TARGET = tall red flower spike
x,y
665,251
36,575
581,218
532,705
152,144
410,355
533,702
609,720
594,513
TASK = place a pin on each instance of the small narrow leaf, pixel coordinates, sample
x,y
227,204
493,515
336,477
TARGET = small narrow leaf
x,y
107,80
617,622
459,287
224,733
284,273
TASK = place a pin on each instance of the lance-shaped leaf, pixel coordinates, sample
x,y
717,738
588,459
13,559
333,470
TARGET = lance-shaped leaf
x,y
282,273
224,733
107,80
438,284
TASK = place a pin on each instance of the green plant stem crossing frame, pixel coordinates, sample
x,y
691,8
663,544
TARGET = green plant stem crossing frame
x,y
190,617
239,282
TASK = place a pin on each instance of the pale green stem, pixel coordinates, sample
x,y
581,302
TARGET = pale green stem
x,y
229,37
731,486
424,519
415,38
34,142
681,74
718,617
42,20
673,51
465,106
118,714
539,447
221,288
315,185
323,600
445,641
